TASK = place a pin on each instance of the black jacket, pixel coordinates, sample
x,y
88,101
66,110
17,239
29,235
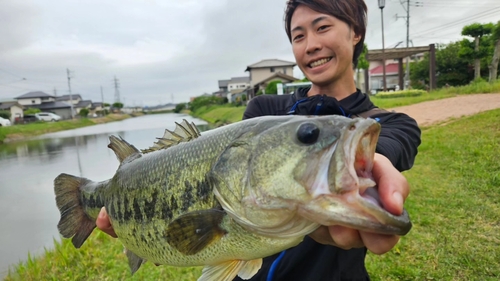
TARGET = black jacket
x,y
398,141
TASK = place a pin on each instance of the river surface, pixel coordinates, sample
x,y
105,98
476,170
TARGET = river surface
x,y
28,212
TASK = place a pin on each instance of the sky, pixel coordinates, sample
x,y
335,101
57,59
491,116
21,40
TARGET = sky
x,y
166,51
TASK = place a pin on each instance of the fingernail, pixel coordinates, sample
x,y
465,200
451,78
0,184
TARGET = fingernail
x,y
102,213
397,199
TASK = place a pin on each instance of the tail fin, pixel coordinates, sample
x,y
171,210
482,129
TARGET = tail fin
x,y
74,221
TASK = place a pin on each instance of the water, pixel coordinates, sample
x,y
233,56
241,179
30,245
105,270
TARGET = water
x,y
28,212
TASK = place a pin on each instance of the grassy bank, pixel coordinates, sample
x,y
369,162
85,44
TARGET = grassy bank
x,y
473,88
454,206
18,132
220,114
223,114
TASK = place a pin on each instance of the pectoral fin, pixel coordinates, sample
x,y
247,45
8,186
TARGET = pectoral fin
x,y
134,261
228,270
192,232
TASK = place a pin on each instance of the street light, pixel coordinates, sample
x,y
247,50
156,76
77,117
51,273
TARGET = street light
x,y
381,5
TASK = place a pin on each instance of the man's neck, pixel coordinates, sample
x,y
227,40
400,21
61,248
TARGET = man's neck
x,y
339,89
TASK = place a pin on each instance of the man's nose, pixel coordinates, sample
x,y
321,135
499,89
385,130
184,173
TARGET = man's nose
x,y
313,44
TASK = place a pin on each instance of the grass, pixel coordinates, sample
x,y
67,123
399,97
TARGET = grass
x,y
473,88
17,132
454,205
220,114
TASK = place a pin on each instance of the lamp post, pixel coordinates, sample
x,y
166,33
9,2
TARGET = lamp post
x,y
381,5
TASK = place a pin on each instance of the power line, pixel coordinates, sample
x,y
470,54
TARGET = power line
x,y
458,22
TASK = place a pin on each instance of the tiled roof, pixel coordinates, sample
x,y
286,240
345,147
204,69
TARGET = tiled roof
x,y
392,68
66,97
51,105
37,94
270,63
244,79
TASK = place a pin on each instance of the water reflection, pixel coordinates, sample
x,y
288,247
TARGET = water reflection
x,y
29,215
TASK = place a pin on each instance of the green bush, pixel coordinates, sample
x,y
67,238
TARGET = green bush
x,y
5,114
179,107
83,112
400,94
31,111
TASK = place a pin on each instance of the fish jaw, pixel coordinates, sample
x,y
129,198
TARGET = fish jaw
x,y
342,188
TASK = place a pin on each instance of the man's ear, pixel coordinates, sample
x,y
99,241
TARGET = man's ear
x,y
355,39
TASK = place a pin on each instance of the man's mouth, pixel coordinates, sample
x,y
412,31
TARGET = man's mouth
x,y
319,62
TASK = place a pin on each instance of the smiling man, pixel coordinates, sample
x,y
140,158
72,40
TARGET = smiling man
x,y
327,38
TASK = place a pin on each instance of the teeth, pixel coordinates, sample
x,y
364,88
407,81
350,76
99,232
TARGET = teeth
x,y
320,62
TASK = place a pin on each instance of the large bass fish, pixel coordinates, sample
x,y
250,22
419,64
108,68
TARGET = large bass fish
x,y
233,195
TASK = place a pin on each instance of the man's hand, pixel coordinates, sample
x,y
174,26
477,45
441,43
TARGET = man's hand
x,y
393,189
104,224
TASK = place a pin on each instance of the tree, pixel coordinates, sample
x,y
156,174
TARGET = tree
x,y
451,69
472,49
179,107
363,63
495,36
118,105
272,87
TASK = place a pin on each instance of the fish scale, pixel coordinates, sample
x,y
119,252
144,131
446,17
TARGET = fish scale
x,y
231,196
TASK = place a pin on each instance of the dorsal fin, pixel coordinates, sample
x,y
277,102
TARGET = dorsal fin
x,y
122,148
183,132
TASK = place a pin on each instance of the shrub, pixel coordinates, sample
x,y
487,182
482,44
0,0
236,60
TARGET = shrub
x,y
83,112
400,94
5,114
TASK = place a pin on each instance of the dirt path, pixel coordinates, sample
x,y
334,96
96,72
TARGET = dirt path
x,y
431,112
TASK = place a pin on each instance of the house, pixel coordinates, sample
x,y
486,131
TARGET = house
x,y
45,102
96,108
35,98
74,99
238,84
82,104
263,69
391,76
15,109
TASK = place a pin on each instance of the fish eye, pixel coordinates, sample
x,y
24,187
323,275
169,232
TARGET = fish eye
x,y
308,133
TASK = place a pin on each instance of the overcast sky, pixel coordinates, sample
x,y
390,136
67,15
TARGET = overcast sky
x,y
170,50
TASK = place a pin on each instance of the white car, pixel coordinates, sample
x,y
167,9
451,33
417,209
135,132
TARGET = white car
x,y
47,116
4,122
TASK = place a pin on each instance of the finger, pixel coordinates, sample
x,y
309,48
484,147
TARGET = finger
x,y
322,236
393,187
104,224
345,238
378,243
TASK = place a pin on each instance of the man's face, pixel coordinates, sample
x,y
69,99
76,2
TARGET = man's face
x,y
323,46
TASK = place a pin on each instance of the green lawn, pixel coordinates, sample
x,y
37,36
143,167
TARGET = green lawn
x,y
40,128
454,205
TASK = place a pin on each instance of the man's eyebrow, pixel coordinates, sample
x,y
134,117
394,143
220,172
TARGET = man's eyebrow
x,y
314,22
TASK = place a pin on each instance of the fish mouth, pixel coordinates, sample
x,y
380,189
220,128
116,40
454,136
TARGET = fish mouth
x,y
358,186
347,194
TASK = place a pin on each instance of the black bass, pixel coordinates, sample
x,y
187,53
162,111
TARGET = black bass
x,y
228,197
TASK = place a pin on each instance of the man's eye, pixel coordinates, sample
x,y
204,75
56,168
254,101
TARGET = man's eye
x,y
298,37
323,27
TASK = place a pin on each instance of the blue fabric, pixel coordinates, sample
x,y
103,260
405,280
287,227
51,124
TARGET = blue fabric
x,y
270,275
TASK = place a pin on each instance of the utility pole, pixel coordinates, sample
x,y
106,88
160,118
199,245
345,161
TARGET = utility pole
x,y
102,97
407,18
407,82
117,90
70,95
55,92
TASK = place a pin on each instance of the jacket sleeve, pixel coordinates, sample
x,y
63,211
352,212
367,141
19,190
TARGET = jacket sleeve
x,y
399,139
